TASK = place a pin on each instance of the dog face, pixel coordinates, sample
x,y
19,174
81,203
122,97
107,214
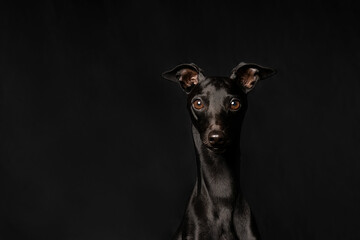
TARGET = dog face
x,y
217,105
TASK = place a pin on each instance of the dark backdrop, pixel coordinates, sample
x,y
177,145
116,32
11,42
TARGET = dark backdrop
x,y
95,145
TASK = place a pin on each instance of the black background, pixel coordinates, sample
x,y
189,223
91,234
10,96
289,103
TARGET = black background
x,y
95,145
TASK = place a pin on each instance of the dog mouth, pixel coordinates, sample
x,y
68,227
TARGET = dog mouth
x,y
216,149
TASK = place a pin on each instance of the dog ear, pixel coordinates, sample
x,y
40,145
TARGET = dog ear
x,y
187,74
247,74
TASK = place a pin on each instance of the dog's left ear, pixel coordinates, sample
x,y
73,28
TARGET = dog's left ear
x,y
247,74
187,74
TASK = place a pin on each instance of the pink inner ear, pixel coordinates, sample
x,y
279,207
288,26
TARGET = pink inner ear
x,y
189,77
249,78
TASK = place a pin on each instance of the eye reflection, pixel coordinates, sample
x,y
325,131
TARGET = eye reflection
x,y
235,104
198,104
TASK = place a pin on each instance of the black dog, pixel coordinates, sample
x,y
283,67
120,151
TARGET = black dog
x,y
217,105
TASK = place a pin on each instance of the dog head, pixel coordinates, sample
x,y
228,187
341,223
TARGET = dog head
x,y
217,104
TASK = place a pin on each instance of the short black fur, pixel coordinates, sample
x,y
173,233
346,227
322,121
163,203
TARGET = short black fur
x,y
217,105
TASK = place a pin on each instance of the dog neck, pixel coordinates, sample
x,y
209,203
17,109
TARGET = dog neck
x,y
218,174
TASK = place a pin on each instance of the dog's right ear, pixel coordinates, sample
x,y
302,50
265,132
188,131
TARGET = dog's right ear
x,y
187,74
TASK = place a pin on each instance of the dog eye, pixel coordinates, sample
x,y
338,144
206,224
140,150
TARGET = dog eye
x,y
235,104
198,104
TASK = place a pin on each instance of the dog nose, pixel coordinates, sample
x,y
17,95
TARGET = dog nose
x,y
216,138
